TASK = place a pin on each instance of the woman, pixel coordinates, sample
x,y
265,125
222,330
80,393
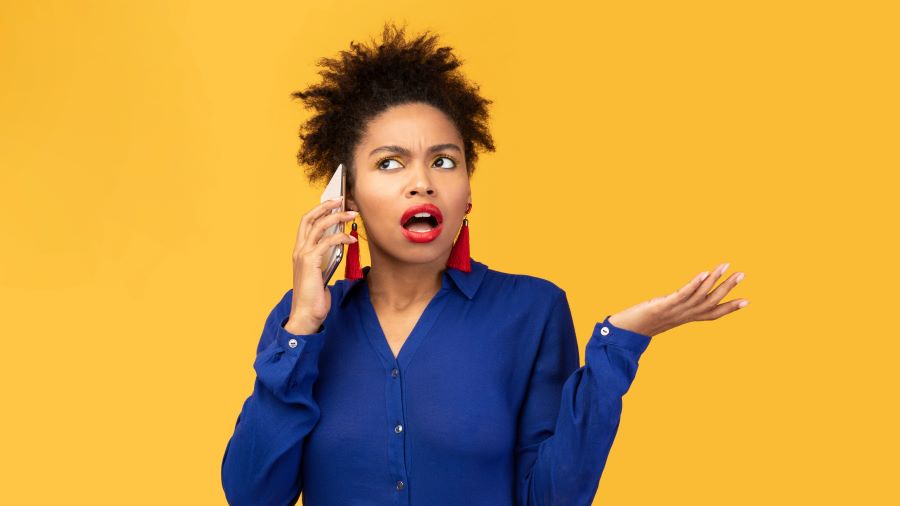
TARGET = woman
x,y
422,383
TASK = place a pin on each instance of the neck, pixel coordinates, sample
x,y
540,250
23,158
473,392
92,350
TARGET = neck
x,y
399,284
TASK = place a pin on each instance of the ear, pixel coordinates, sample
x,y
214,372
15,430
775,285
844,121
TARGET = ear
x,y
350,202
349,199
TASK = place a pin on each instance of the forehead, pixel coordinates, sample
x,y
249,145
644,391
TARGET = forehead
x,y
415,126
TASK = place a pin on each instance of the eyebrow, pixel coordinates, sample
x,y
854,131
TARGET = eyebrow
x,y
405,152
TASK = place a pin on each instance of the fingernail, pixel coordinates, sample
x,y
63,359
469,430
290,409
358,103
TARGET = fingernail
x,y
339,197
739,277
704,275
743,303
725,268
352,213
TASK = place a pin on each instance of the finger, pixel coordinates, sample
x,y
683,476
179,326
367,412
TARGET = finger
x,y
314,214
324,208
319,251
318,229
726,286
723,309
687,290
699,296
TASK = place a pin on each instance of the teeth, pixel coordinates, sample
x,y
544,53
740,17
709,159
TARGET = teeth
x,y
422,215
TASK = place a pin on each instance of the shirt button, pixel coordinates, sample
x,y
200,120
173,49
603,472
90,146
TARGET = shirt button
x,y
292,343
395,372
400,485
604,331
398,429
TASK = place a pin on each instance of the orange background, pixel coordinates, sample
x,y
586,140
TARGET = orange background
x,y
150,200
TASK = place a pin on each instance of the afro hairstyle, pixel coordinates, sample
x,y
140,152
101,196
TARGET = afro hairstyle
x,y
362,82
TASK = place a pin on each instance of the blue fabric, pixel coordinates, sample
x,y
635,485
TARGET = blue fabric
x,y
486,403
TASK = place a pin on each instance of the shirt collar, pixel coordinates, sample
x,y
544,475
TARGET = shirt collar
x,y
465,282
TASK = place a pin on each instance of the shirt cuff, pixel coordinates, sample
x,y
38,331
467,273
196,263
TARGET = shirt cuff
x,y
623,338
295,343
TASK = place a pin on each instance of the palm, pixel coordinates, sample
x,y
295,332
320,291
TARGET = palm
x,y
691,302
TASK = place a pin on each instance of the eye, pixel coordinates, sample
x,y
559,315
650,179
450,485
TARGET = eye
x,y
445,165
381,164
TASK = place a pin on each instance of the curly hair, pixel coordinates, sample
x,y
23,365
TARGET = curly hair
x,y
366,80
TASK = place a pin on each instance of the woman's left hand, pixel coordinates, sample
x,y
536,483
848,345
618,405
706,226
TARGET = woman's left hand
x,y
691,302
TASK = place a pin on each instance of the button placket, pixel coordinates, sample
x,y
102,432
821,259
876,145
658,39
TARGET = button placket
x,y
396,445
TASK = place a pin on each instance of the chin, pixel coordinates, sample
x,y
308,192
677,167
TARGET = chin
x,y
426,255
422,253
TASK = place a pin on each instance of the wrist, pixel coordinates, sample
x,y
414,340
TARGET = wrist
x,y
623,323
301,326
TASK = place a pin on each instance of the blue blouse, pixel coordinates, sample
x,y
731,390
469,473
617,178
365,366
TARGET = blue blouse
x,y
485,404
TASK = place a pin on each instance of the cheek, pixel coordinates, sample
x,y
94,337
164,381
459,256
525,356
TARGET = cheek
x,y
378,206
381,212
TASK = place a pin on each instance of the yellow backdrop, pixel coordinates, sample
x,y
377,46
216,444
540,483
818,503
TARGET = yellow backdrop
x,y
150,199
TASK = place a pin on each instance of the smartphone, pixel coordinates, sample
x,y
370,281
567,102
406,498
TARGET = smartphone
x,y
336,187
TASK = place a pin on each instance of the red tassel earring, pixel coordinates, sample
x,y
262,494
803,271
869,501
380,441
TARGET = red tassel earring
x,y
459,254
352,268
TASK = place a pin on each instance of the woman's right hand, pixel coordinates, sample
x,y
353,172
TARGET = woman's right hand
x,y
311,299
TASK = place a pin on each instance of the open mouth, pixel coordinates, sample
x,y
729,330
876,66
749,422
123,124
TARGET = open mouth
x,y
421,222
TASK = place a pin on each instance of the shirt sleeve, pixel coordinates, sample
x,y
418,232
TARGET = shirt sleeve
x,y
261,464
571,414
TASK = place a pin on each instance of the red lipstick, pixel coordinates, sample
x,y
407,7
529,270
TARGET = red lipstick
x,y
422,237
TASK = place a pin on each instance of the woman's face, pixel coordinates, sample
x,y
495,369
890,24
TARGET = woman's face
x,y
409,155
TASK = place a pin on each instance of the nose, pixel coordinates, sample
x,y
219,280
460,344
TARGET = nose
x,y
421,182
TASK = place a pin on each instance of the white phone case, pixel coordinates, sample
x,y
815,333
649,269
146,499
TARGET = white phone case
x,y
335,188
